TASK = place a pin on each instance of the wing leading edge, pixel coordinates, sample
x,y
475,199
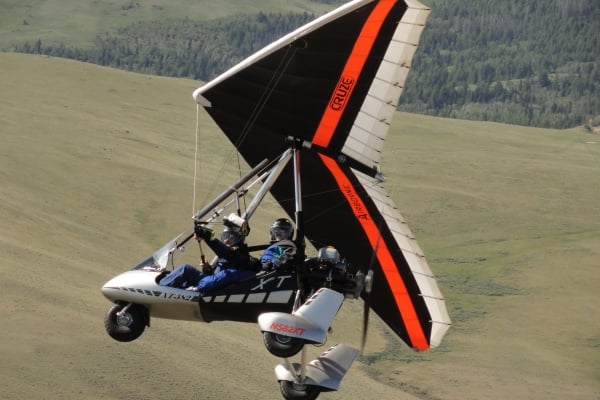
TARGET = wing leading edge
x,y
335,83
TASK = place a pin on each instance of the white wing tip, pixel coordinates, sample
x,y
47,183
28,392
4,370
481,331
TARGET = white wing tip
x,y
203,101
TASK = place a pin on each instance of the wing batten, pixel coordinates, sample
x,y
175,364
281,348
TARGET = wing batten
x,y
356,148
386,90
370,125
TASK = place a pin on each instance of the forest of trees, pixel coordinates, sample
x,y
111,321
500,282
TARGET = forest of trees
x,y
180,48
533,63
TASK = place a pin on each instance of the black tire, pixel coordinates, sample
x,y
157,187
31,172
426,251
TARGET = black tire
x,y
126,327
297,391
282,346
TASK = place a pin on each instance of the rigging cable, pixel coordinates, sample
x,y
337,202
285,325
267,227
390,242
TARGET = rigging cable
x,y
196,159
276,77
278,73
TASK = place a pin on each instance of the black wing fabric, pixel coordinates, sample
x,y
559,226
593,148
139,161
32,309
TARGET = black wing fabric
x,y
335,83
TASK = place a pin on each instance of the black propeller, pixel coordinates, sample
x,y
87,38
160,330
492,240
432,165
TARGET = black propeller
x,y
366,307
368,288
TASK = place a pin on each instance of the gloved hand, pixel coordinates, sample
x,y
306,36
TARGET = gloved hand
x,y
280,260
203,233
207,268
267,266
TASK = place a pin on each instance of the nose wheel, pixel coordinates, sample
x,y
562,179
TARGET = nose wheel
x,y
298,391
125,323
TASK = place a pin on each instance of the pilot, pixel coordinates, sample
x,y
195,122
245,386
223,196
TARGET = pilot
x,y
282,249
233,263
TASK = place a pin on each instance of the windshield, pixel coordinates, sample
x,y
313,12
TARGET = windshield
x,y
161,257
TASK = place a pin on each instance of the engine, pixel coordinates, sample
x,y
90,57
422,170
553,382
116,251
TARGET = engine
x,y
328,270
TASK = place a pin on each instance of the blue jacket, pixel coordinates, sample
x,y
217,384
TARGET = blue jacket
x,y
277,254
236,257
232,266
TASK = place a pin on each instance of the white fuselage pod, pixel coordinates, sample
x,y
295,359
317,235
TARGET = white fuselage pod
x,y
310,322
140,287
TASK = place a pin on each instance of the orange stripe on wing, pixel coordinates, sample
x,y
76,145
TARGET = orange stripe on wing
x,y
354,66
384,256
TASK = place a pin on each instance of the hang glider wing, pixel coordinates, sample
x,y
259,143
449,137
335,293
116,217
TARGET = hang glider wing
x,y
335,83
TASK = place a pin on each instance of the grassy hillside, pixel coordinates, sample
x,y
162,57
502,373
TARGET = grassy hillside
x,y
500,61
97,172
76,23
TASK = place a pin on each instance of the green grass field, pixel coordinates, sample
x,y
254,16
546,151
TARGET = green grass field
x,y
97,172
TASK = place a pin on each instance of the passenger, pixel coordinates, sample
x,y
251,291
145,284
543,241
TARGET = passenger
x,y
233,264
282,248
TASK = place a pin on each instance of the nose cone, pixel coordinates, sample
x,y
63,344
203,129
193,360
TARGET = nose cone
x,y
111,288
131,286
117,287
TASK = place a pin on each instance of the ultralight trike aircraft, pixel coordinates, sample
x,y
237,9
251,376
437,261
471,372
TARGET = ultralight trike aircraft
x,y
309,114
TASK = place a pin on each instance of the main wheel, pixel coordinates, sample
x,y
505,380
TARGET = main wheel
x,y
281,345
125,326
298,391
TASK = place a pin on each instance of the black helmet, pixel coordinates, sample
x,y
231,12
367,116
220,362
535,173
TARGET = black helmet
x,y
281,229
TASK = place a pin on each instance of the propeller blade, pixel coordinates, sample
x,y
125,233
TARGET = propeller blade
x,y
366,308
368,288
